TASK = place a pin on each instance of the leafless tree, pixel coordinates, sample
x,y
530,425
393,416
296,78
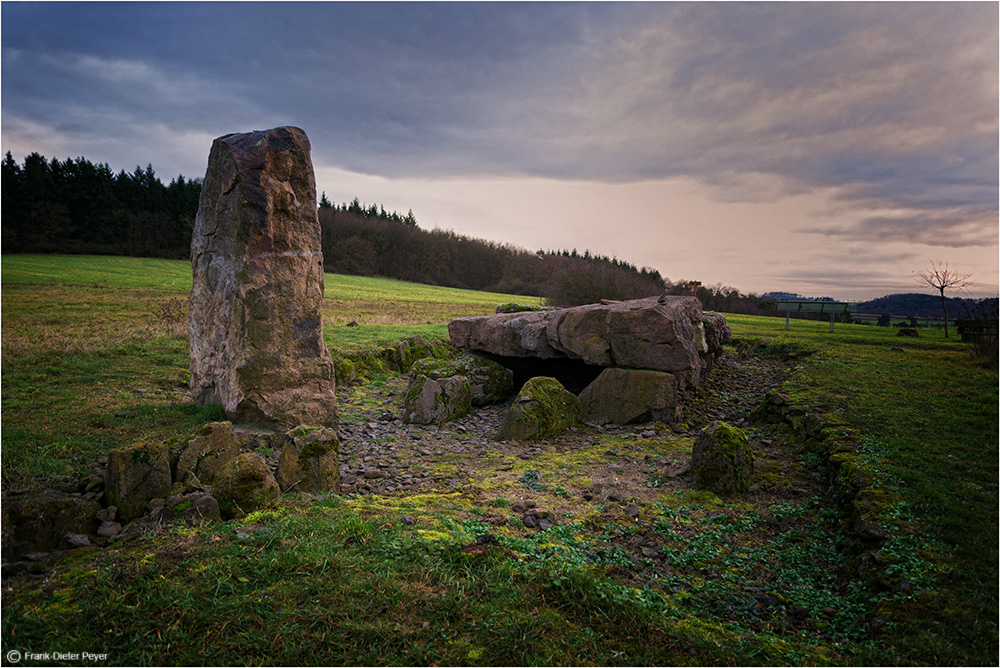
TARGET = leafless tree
x,y
941,277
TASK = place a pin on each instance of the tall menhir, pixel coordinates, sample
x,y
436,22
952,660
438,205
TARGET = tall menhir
x,y
255,322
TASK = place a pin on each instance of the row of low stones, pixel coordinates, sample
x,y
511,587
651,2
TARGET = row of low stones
x,y
216,474
444,390
212,476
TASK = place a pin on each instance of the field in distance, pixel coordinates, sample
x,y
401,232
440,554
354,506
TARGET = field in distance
x,y
114,296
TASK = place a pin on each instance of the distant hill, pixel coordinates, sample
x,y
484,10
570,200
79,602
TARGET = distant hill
x,y
794,296
917,305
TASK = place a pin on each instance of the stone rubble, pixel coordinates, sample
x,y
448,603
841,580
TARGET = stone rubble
x,y
379,454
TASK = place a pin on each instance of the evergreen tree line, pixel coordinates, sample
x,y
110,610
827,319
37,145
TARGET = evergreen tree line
x,y
364,241
76,206
377,212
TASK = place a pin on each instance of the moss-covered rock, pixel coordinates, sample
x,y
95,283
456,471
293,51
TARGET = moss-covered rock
x,y
722,459
310,461
135,475
346,371
489,382
243,485
430,401
542,408
193,507
206,452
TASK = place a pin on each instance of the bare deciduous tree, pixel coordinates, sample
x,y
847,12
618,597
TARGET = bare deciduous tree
x,y
941,277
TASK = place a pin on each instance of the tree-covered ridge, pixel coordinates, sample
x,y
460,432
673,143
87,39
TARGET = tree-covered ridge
x,y
365,241
76,207
918,305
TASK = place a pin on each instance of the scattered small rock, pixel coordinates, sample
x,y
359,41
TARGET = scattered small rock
x,y
109,529
75,540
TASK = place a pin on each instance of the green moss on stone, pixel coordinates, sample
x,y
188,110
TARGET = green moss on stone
x,y
542,409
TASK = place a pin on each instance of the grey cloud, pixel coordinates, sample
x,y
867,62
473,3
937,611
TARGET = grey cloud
x,y
891,104
929,228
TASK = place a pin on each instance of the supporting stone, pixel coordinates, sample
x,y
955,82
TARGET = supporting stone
x,y
255,322
626,396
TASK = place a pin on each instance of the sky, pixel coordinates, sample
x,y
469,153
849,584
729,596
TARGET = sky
x,y
826,149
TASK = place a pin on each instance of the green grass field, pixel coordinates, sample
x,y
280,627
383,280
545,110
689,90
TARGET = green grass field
x,y
88,340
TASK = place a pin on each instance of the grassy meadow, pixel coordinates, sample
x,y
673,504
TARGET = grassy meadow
x,y
94,357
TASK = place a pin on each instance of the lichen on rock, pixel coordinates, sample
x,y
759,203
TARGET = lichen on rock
x,y
206,452
626,396
135,475
430,401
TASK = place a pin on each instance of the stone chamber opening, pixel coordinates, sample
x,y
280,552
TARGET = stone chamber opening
x,y
574,375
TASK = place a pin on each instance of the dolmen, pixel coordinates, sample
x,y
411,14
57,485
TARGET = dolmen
x,y
644,353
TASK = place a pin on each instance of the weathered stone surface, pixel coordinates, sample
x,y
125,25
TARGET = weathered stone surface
x,y
310,461
243,485
521,334
626,396
206,452
542,408
722,459
39,522
717,333
430,401
255,325
192,507
489,382
135,475
657,333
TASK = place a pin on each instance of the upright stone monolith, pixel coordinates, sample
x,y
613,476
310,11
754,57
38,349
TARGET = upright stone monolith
x,y
255,322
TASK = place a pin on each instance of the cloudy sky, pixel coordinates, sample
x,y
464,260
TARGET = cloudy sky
x,y
819,148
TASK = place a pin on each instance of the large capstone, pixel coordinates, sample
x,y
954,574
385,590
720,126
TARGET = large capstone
x,y
668,334
255,321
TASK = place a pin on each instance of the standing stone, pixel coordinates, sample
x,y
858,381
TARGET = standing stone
x,y
255,322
